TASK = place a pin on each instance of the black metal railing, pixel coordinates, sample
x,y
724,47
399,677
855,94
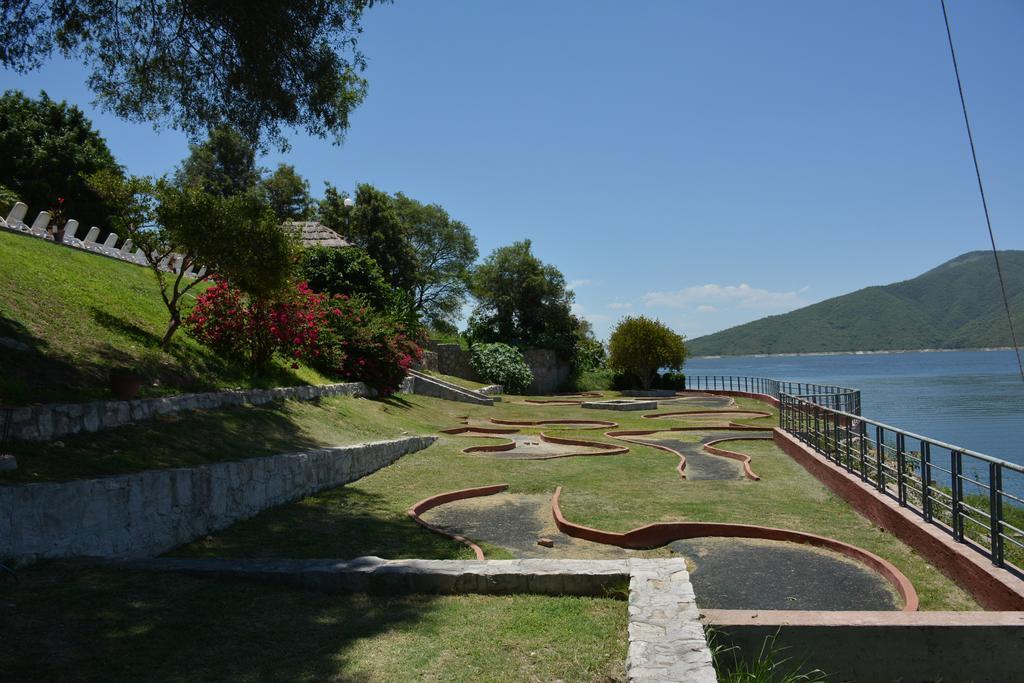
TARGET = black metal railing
x,y
977,499
835,397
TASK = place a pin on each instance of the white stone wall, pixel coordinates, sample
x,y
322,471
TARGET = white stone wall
x,y
147,513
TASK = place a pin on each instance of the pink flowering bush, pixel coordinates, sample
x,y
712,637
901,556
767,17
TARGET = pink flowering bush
x,y
340,336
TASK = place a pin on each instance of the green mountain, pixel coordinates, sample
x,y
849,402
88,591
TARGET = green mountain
x,y
955,306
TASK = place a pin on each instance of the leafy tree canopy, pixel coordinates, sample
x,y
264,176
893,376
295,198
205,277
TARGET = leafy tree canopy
x,y
375,225
445,251
236,237
223,165
349,271
50,148
639,346
260,65
287,193
523,301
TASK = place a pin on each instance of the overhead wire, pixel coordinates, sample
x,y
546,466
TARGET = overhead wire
x,y
981,189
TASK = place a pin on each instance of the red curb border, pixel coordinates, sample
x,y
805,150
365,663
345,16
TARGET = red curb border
x,y
742,457
732,427
992,587
606,448
482,430
440,499
696,413
661,533
597,424
767,398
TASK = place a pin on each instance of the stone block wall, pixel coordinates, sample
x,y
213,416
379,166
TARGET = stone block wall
x,y
453,360
549,371
150,512
50,421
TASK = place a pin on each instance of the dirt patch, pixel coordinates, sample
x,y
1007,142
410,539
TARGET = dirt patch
x,y
733,573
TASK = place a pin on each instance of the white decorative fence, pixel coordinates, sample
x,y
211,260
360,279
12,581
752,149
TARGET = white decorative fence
x,y
127,252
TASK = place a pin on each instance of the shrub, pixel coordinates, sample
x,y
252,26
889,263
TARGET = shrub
x,y
369,347
640,346
600,379
340,335
251,330
670,380
501,364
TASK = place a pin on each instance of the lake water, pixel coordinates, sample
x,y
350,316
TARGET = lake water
x,y
971,399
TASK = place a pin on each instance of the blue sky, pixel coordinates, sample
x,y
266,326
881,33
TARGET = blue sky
x,y
707,163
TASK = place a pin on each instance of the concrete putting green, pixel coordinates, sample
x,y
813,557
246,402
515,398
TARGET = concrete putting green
x,y
738,573
699,464
515,522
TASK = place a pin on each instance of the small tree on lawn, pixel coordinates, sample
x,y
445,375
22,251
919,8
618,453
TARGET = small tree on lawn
x,y
178,228
640,346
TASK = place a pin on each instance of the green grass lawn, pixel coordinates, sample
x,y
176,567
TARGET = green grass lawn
x,y
81,314
68,621
467,383
368,517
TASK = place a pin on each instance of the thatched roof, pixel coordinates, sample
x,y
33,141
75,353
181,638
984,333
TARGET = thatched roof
x,y
313,234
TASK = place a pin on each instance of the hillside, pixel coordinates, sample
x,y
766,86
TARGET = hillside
x,y
954,306
67,317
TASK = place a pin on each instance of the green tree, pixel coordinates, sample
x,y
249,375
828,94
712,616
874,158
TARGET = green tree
x,y
50,148
375,225
349,271
333,212
263,66
223,165
522,301
445,250
287,193
640,346
178,228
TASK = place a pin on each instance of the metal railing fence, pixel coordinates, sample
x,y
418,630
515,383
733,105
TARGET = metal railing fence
x,y
973,497
836,397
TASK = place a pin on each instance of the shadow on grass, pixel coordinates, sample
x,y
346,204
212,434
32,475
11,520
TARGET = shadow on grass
x,y
341,523
74,621
179,440
44,373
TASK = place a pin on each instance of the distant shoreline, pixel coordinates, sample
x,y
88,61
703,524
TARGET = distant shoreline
x,y
846,353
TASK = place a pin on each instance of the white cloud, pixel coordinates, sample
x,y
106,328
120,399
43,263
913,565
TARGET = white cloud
x,y
576,284
742,295
706,309
620,305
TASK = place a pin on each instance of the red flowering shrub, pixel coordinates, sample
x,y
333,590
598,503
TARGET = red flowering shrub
x,y
340,336
252,330
374,348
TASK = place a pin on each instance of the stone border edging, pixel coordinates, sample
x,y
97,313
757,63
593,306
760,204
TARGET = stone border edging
x,y
441,498
45,422
439,388
992,587
620,434
666,639
661,533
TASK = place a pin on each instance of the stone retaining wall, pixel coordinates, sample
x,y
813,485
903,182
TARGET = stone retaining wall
x,y
153,511
50,421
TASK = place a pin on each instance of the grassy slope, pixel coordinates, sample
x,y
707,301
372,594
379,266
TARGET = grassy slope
x,y
82,314
956,305
73,622
368,517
